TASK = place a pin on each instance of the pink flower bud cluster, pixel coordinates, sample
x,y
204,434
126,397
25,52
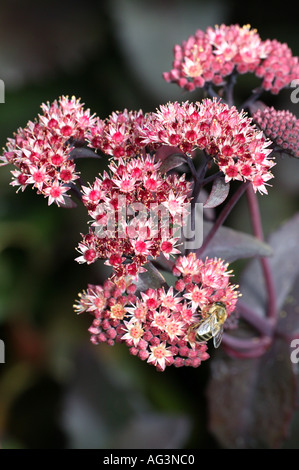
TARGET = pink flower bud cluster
x,y
124,240
229,137
281,126
42,149
118,135
156,325
210,56
279,67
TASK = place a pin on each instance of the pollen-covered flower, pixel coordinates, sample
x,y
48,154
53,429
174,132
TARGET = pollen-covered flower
x,y
131,226
281,126
118,135
158,325
160,355
41,151
229,137
211,55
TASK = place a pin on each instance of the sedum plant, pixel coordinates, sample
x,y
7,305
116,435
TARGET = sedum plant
x,y
171,298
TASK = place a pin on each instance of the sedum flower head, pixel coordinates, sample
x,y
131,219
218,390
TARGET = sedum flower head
x,y
212,55
278,68
205,282
41,151
136,212
156,325
236,145
281,126
118,135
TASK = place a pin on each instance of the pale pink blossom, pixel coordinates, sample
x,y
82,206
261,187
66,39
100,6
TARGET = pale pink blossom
x,y
117,135
211,56
228,136
157,325
127,240
41,151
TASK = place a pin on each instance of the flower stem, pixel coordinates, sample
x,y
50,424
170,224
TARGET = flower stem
x,y
222,216
260,323
258,232
256,93
255,347
211,92
191,166
211,178
76,191
229,89
245,348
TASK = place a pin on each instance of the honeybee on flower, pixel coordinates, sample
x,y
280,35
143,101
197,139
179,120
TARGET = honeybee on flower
x,y
211,325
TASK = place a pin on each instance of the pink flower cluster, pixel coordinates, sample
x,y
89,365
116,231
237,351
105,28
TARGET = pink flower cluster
x,y
118,135
281,126
205,282
210,56
156,325
41,151
229,137
279,67
125,240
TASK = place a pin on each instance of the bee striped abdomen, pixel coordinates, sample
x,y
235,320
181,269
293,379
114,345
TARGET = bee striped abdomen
x,y
203,337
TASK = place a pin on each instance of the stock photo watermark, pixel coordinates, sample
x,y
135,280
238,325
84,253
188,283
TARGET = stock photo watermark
x,y
136,220
295,351
2,352
2,91
295,94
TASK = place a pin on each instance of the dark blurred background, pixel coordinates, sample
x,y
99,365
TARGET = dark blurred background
x,y
56,389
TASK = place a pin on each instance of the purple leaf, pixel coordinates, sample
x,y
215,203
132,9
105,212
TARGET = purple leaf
x,y
288,319
166,151
251,401
284,265
218,194
173,161
82,152
231,244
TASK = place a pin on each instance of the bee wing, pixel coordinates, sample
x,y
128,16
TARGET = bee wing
x,y
215,325
217,336
204,327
